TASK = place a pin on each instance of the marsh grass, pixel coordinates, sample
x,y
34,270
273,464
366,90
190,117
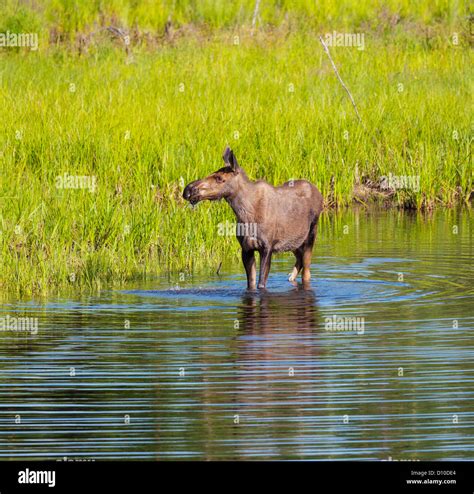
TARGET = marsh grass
x,y
145,125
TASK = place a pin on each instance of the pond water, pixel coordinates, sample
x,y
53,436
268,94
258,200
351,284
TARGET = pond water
x,y
375,361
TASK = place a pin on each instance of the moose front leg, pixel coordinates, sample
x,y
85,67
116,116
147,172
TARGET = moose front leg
x,y
265,262
248,258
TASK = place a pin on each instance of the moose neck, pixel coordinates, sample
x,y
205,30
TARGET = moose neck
x,y
242,200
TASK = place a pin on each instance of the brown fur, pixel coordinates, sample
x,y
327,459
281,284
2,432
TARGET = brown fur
x,y
286,217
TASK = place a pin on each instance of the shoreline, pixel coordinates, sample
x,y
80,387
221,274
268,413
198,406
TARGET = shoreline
x,y
225,252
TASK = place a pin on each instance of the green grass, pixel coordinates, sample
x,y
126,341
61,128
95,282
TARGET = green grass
x,y
128,124
67,17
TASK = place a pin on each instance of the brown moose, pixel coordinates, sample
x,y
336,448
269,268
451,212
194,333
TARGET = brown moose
x,y
285,217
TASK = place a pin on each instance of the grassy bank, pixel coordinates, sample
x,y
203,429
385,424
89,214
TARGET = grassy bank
x,y
140,123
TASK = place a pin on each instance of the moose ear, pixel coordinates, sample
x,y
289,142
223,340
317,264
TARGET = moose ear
x,y
230,159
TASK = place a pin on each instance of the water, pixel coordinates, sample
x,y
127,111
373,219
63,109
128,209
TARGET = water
x,y
201,369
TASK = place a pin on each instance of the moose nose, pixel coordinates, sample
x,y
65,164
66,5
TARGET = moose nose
x,y
188,191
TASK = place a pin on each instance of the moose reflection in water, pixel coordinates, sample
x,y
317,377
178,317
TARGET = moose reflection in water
x,y
291,311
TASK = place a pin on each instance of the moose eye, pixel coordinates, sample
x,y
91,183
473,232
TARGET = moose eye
x,y
219,179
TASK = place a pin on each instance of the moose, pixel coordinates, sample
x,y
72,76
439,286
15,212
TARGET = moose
x,y
286,216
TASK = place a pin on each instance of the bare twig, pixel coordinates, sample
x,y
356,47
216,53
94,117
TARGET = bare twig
x,y
255,15
326,49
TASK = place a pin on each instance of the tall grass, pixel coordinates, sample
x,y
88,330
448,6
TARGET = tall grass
x,y
67,17
145,126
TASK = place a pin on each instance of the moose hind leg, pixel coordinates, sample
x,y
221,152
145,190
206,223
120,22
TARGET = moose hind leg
x,y
298,265
308,251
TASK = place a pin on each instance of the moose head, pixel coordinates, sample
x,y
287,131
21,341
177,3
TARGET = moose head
x,y
222,184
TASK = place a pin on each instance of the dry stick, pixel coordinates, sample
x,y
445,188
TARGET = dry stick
x,y
326,49
255,14
374,140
